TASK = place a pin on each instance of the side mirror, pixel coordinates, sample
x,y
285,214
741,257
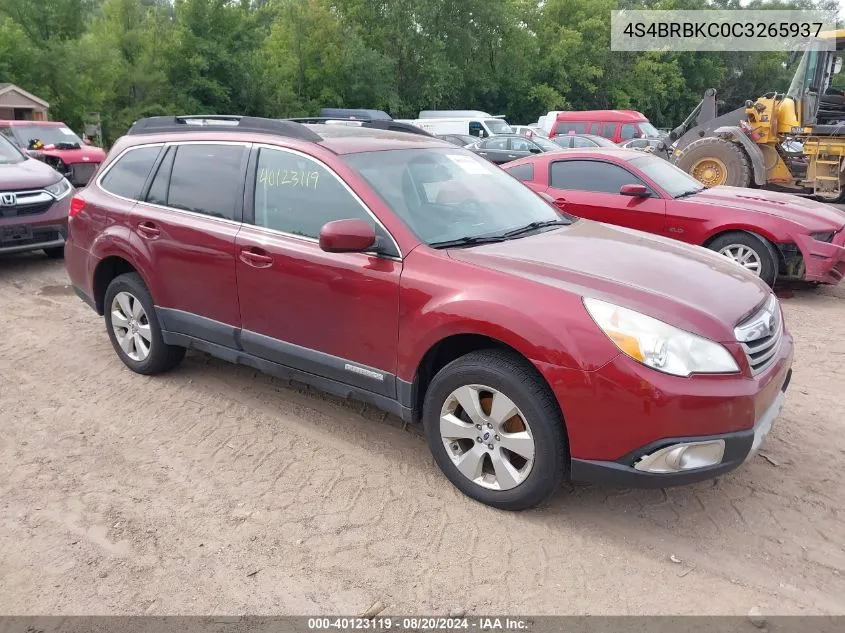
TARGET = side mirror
x,y
837,65
535,150
635,191
347,236
87,141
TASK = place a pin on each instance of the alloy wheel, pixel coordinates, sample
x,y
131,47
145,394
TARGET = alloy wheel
x,y
744,256
487,437
131,326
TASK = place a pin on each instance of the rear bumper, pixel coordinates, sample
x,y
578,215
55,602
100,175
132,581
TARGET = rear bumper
x,y
739,446
824,262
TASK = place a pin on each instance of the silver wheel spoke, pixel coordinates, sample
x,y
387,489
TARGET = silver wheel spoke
x,y
467,397
125,343
506,475
137,308
125,303
503,409
118,320
141,348
144,331
520,443
471,462
452,428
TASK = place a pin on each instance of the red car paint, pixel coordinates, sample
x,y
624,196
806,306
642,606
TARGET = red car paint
x,y
387,313
783,219
76,164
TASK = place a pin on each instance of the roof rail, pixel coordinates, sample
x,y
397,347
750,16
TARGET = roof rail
x,y
223,122
376,124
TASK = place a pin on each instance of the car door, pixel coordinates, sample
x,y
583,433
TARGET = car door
x,y
495,149
521,147
590,189
184,229
334,315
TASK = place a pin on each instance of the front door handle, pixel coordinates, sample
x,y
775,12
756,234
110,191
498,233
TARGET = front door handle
x,y
256,257
148,229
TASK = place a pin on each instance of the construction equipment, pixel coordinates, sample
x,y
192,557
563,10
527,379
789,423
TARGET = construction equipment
x,y
792,142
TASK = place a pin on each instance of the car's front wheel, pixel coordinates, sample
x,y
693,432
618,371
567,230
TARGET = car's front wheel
x,y
752,252
133,328
495,429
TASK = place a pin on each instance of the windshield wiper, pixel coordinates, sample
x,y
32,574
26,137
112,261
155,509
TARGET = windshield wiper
x,y
533,226
468,241
689,193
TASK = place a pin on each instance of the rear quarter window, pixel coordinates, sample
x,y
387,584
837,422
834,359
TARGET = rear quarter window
x,y
127,176
521,172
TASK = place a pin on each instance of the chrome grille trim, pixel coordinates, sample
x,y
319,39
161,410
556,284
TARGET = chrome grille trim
x,y
760,335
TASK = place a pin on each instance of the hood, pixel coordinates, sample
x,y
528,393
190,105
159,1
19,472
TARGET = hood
x,y
686,286
30,174
814,216
84,154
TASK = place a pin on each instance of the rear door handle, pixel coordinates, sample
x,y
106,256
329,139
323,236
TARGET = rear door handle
x,y
256,257
148,229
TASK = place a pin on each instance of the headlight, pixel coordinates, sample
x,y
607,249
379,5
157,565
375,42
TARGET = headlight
x,y
659,345
59,189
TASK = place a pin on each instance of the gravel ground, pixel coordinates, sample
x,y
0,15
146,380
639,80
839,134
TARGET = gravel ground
x,y
215,489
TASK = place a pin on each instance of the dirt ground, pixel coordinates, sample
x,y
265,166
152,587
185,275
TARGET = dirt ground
x,y
215,489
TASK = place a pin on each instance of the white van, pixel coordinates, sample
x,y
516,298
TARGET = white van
x,y
474,126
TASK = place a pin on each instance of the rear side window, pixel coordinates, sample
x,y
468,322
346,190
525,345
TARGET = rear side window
x,y
629,130
576,128
521,172
127,176
208,178
608,130
594,128
580,141
590,175
495,143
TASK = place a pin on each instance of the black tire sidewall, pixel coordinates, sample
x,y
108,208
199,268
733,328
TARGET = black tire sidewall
x,y
157,357
764,250
544,421
733,156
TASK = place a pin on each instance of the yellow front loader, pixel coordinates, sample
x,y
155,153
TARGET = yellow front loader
x,y
793,141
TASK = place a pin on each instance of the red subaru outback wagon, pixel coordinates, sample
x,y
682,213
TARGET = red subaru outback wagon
x,y
409,273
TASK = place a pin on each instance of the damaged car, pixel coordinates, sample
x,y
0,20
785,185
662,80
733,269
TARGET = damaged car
x,y
773,235
57,145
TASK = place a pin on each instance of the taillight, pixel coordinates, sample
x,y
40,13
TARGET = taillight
x,y
77,204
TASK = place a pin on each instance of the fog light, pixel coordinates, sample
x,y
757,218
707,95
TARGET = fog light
x,y
686,456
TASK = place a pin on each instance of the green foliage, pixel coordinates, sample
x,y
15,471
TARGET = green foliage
x,y
132,58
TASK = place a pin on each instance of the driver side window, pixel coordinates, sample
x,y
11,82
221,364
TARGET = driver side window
x,y
591,175
495,143
521,145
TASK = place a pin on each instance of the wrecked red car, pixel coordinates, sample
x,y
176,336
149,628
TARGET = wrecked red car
x,y
774,235
57,145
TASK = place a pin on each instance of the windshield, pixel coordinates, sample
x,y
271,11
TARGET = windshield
x,y
9,154
449,194
648,129
497,126
546,144
674,181
47,134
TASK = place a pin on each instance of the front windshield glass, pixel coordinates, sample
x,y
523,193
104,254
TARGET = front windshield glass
x,y
671,179
9,154
648,129
47,134
450,194
497,126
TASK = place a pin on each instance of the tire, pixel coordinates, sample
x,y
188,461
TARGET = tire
x,y
833,199
762,248
537,415
57,252
121,295
720,153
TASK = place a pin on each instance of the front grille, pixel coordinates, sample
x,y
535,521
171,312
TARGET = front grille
x,y
27,203
760,335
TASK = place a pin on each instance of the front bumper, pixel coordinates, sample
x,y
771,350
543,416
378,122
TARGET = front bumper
x,y
48,229
824,262
738,447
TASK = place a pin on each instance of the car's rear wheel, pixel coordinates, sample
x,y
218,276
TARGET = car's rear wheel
x,y
57,252
752,252
495,429
133,328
